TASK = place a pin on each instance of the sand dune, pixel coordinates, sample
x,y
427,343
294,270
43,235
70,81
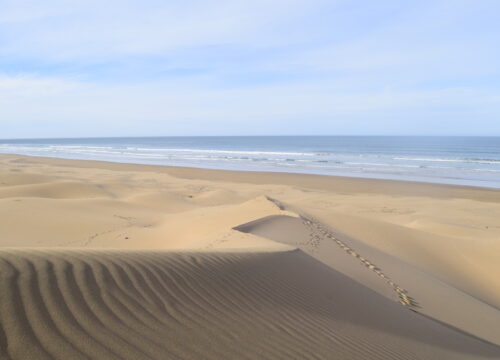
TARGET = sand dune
x,y
155,305
117,261
417,290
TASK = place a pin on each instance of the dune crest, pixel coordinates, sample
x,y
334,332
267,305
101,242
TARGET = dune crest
x,y
398,281
318,232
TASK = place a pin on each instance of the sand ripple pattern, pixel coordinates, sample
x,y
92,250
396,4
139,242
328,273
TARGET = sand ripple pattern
x,y
88,304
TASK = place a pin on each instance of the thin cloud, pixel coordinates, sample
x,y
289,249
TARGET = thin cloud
x,y
227,67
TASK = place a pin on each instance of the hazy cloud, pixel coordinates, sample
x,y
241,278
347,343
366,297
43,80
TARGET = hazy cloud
x,y
91,68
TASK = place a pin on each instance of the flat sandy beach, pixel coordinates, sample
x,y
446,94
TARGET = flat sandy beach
x,y
118,261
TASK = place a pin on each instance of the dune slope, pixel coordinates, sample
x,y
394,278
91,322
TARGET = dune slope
x,y
391,277
83,304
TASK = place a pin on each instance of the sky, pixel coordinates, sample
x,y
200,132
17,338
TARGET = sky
x,y
71,68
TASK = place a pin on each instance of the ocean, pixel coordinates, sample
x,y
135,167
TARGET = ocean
x,y
450,160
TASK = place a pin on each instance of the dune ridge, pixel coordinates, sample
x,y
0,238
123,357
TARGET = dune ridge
x,y
316,239
317,232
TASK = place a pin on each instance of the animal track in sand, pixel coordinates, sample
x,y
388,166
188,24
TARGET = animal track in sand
x,y
387,210
129,222
319,232
220,240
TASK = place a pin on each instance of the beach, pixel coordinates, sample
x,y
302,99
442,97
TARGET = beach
x,y
471,161
104,260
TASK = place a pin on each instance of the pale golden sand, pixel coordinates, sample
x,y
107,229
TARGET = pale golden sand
x,y
119,261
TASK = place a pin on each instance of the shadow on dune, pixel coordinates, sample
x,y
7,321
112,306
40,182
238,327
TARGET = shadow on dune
x,y
156,305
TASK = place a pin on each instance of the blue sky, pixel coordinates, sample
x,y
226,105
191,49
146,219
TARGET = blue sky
x,y
124,68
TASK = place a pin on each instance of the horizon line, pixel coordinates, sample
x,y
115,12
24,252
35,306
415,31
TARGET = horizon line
x,y
213,136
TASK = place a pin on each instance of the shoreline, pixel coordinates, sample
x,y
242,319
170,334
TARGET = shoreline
x,y
317,181
468,161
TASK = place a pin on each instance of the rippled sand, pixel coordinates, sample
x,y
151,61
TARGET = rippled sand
x,y
116,261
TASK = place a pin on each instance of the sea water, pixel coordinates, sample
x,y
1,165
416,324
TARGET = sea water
x,y
453,160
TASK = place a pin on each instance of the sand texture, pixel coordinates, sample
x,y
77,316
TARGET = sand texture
x,y
118,261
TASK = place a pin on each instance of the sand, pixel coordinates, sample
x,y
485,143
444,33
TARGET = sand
x,y
118,261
